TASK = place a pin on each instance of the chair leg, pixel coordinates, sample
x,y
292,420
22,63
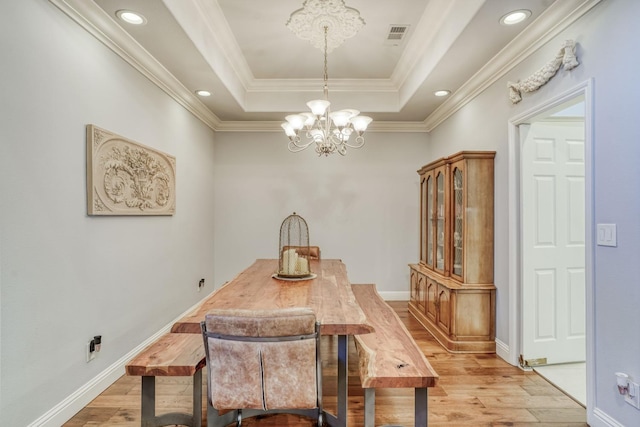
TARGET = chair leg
x,y
214,419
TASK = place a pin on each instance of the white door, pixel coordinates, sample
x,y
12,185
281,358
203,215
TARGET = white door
x,y
553,241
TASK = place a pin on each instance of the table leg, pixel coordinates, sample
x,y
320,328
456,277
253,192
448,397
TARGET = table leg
x,y
421,404
343,385
343,378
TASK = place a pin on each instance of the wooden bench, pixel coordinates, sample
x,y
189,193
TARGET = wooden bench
x,y
389,357
171,355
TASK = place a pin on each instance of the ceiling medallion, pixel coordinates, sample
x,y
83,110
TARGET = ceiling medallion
x,y
341,22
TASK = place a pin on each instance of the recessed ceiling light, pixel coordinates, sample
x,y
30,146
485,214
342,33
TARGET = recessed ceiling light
x,y
131,17
203,93
442,92
515,17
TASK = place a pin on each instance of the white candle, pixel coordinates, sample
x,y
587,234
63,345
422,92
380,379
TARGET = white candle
x,y
302,265
289,261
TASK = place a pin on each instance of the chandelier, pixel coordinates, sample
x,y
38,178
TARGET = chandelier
x,y
330,131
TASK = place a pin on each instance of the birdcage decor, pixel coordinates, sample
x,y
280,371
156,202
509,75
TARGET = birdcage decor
x,y
294,249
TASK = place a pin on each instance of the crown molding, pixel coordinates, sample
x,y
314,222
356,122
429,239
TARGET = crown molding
x,y
548,25
94,20
433,36
310,85
270,126
205,25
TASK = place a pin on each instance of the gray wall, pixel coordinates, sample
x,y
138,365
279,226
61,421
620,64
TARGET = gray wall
x,y
606,37
65,276
361,208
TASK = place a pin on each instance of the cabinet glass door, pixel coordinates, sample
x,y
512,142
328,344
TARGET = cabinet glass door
x,y
429,222
458,216
440,253
424,214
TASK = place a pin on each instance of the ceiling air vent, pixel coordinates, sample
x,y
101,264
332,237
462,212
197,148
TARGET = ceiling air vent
x,y
396,34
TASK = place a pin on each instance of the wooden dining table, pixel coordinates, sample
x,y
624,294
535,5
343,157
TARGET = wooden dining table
x,y
328,294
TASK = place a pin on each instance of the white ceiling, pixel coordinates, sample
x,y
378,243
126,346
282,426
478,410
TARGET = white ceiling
x,y
258,70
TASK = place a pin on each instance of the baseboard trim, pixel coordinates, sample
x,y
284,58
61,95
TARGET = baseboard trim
x,y
602,419
70,406
502,350
67,408
395,295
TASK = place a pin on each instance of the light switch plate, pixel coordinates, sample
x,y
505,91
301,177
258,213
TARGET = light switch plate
x,y
607,235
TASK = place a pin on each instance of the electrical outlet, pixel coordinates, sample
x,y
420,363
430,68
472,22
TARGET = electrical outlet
x,y
633,395
93,347
90,352
200,284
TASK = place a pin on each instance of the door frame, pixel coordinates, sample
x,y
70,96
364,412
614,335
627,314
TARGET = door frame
x,y
584,89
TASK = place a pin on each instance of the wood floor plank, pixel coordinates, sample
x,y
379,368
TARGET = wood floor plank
x,y
537,402
474,390
479,390
563,415
554,424
536,390
475,416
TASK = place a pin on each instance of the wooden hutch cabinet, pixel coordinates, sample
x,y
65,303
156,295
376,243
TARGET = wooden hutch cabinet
x,y
452,290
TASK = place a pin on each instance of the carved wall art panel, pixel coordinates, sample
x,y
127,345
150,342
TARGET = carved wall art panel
x,y
127,178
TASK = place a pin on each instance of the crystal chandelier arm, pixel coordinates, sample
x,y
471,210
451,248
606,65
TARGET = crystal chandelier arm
x,y
294,147
359,142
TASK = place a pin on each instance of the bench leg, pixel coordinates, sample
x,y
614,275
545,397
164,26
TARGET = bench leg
x,y
369,407
148,410
420,407
420,403
197,398
148,401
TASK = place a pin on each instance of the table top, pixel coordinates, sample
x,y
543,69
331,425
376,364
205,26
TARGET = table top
x,y
329,295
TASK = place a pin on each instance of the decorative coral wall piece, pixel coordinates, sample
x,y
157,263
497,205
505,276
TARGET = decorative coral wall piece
x,y
128,178
566,57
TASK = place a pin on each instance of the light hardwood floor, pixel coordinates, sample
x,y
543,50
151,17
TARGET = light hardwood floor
x,y
474,390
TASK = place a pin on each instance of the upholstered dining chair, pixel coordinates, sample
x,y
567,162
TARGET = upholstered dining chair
x,y
261,362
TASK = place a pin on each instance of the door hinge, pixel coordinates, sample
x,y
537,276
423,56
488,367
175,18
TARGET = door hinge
x,y
529,363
